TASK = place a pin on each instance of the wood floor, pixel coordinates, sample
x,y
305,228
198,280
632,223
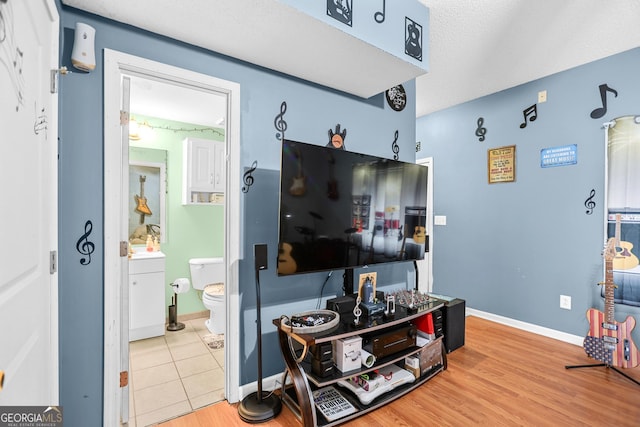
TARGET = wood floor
x,y
502,376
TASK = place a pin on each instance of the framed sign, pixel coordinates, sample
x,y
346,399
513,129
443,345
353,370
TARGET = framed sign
x,y
501,164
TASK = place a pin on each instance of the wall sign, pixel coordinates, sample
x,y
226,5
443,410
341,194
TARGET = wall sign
x,y
413,38
559,156
396,98
341,10
501,164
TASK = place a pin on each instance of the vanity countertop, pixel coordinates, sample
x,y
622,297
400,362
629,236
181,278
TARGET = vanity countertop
x,y
143,254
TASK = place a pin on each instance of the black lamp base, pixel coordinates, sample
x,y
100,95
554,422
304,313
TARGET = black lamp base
x,y
253,412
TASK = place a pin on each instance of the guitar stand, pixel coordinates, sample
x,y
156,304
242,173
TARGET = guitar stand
x,y
606,366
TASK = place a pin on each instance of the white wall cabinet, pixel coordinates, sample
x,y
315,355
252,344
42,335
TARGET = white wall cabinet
x,y
203,171
146,296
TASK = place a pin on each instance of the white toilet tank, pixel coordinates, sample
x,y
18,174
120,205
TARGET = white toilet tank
x,y
206,271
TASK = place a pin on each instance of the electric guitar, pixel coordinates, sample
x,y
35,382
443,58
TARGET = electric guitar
x,y
609,341
298,186
624,259
141,202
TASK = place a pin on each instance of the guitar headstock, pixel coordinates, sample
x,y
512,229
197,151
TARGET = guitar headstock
x,y
610,250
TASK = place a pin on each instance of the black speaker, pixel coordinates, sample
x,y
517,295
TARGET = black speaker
x,y
260,255
453,322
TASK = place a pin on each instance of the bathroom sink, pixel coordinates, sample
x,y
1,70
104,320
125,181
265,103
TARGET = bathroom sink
x,y
147,255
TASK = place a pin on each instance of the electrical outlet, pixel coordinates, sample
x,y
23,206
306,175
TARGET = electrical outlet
x,y
542,96
363,277
565,302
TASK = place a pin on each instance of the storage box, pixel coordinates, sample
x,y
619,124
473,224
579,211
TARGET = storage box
x,y
322,368
430,356
346,353
412,364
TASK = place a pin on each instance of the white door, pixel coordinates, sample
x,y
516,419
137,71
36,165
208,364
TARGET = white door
x,y
28,212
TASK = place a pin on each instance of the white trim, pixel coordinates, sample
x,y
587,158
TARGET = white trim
x,y
428,162
52,129
529,327
116,64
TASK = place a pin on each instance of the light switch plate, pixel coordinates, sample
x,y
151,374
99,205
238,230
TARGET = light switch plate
x,y
440,220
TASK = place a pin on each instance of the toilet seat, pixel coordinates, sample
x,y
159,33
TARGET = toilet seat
x,y
214,290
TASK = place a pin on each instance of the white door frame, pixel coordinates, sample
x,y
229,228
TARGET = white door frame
x,y
117,64
425,284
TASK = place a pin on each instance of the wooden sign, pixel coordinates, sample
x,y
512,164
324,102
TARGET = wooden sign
x,y
501,164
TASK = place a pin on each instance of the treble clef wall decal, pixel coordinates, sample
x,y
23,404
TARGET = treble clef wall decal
x,y
279,122
248,178
589,203
394,146
481,131
84,246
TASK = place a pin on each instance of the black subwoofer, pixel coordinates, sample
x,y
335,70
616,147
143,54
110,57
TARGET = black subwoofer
x,y
453,323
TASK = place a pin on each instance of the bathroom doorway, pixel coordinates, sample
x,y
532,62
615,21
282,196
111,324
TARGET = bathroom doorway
x,y
131,84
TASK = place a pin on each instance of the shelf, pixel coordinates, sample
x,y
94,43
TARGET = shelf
x,y
338,375
361,408
299,396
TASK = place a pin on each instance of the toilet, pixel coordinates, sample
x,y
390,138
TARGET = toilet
x,y
207,275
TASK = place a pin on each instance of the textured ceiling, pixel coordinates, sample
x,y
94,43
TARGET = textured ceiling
x,y
479,47
476,47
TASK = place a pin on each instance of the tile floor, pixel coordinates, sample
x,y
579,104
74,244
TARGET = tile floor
x,y
173,375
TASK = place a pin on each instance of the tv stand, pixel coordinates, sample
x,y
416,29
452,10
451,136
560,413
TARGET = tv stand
x,y
299,395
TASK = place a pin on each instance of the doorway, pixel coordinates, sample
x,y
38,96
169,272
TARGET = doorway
x,y
120,70
425,270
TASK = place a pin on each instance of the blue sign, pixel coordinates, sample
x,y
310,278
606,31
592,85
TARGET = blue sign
x,y
559,156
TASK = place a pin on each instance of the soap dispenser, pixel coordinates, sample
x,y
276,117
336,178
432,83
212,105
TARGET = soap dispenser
x,y
149,243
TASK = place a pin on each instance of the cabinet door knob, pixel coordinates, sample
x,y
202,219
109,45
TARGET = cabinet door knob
x,y
210,178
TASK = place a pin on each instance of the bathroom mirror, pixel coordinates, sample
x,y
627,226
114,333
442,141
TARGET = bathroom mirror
x,y
147,191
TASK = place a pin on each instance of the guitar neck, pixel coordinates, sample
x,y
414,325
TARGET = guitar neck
x,y
609,287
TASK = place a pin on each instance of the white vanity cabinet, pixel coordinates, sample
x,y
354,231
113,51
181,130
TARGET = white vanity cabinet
x,y
203,171
146,295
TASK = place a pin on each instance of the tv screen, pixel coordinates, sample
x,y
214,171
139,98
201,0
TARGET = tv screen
x,y
340,209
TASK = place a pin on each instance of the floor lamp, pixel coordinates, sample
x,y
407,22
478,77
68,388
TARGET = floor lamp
x,y
256,408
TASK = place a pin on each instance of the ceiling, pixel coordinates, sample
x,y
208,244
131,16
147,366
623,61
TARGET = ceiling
x,y
476,47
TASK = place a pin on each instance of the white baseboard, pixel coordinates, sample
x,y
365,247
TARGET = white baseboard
x,y
274,382
529,327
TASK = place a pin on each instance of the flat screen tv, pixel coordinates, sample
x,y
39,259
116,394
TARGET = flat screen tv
x,y
340,209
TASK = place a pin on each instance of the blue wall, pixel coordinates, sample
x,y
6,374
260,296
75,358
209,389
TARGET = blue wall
x,y
512,249
312,111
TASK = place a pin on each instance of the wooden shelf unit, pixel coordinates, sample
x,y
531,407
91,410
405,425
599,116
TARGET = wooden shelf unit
x,y
299,395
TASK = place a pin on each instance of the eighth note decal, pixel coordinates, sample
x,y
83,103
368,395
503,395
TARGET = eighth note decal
x,y
530,113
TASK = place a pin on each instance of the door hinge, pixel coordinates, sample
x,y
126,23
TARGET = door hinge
x,y
124,248
124,118
53,82
53,262
124,378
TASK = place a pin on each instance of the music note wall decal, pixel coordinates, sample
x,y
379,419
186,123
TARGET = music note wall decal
x,y
601,111
84,246
481,131
279,122
531,113
248,178
379,16
395,147
11,56
589,203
